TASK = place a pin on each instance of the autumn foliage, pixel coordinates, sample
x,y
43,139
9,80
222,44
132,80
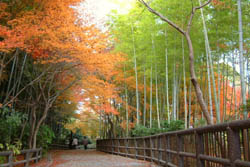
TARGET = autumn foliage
x,y
51,33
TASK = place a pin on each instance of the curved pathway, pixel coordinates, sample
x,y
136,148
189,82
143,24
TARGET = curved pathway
x,y
88,158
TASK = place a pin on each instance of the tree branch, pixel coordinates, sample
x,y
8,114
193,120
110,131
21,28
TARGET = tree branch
x,y
33,81
162,17
203,5
190,21
192,13
53,98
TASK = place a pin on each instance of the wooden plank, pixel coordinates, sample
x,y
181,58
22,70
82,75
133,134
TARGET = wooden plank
x,y
10,159
144,149
179,139
233,146
27,157
199,145
136,151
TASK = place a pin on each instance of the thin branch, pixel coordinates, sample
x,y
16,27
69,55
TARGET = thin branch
x,y
63,90
51,82
190,21
203,5
13,98
192,13
162,17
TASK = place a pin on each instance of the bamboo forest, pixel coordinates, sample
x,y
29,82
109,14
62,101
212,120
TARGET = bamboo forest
x,y
114,69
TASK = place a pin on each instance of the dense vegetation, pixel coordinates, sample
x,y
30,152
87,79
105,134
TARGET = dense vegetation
x,y
156,81
45,51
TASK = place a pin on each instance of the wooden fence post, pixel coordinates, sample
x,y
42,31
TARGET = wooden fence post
x,y
112,146
246,147
179,149
37,156
234,152
27,157
126,145
144,150
10,159
167,147
151,149
199,145
118,144
136,151
159,144
40,153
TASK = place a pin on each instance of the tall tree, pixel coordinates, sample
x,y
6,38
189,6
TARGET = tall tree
x,y
242,67
186,34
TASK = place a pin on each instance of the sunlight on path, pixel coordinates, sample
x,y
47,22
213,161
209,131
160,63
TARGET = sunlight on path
x,y
89,158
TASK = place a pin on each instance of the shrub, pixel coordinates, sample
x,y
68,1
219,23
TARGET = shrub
x,y
141,130
245,108
10,123
200,122
173,125
44,137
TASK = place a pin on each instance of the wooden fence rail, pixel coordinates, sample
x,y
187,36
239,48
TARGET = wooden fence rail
x,y
220,145
29,155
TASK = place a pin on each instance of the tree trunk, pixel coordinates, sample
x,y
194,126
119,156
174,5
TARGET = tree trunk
x,y
209,89
157,98
208,51
151,96
234,88
184,83
178,97
32,128
191,53
136,80
156,85
223,83
126,101
225,96
242,71
174,94
190,104
167,92
219,88
45,112
195,83
145,98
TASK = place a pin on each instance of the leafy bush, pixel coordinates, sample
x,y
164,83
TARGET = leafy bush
x,y
62,136
141,130
172,126
245,107
10,123
44,137
200,122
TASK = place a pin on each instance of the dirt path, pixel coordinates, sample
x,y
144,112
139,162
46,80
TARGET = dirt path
x,y
89,158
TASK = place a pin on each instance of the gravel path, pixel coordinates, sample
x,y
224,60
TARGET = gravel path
x,y
89,158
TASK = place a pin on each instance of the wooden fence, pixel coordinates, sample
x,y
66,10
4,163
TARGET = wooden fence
x,y
29,155
220,145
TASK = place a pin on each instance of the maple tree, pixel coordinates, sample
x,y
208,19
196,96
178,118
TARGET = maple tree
x,y
59,44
